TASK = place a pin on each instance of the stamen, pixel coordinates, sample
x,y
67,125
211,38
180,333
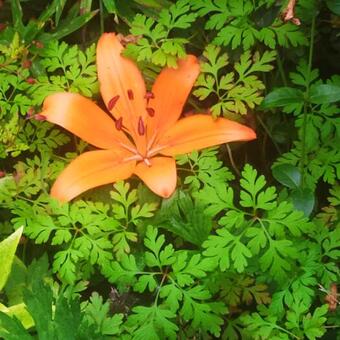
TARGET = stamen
x,y
149,95
141,127
150,111
119,123
112,102
130,94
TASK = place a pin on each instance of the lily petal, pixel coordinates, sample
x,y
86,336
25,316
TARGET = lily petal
x,y
119,76
198,132
160,176
170,92
83,118
92,169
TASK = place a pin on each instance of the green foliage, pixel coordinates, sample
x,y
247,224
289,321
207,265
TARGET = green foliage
x,y
251,254
23,89
34,29
176,275
314,105
298,323
259,227
205,167
77,67
241,23
59,317
155,43
88,233
184,218
236,91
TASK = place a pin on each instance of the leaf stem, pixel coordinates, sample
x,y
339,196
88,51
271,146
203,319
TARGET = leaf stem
x,y
230,155
281,70
303,159
265,128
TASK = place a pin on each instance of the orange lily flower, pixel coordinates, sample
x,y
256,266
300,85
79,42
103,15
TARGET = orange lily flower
x,y
145,132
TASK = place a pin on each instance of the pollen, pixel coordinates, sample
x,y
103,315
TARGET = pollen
x,y
112,102
150,111
130,94
119,123
141,127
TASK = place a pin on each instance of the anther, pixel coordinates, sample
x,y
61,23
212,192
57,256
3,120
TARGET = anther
x,y
119,123
130,94
141,127
112,102
150,111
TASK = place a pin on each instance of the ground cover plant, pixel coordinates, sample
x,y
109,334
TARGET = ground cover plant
x,y
169,169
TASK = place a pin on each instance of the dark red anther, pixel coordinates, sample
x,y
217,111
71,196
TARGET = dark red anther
x,y
2,26
2,173
141,127
150,111
112,102
149,95
30,80
26,63
39,116
130,94
119,123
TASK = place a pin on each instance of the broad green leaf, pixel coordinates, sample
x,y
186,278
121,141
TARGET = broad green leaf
x,y
20,312
324,93
282,97
8,248
287,175
334,6
303,199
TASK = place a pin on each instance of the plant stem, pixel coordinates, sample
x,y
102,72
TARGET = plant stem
x,y
281,70
232,160
265,128
101,16
306,106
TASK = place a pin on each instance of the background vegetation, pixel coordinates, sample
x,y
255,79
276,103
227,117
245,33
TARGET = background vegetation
x,y
249,245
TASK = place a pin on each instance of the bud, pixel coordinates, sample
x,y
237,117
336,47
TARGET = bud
x,y
30,80
26,63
